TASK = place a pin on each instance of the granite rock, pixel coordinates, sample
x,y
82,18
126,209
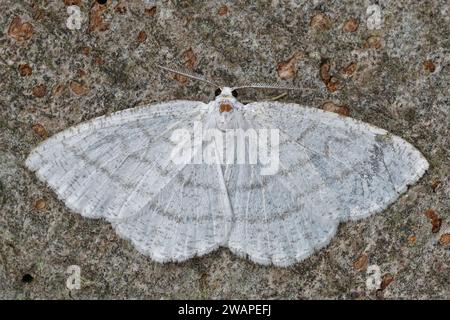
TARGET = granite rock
x,y
389,66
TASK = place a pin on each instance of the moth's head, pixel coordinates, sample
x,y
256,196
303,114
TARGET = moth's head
x,y
226,98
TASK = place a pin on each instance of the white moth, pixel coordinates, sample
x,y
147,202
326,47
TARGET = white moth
x,y
331,169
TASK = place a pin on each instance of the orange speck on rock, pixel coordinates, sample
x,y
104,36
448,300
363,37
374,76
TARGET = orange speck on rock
x,y
324,71
38,13
435,185
288,69
332,85
373,42
39,90
320,22
58,90
412,239
223,10
96,22
225,107
429,66
150,12
20,31
86,51
431,214
436,225
386,281
121,7
444,239
361,262
78,88
40,130
204,280
351,25
25,70
81,73
350,69
40,204
436,221
331,107
180,78
99,61
142,37
190,59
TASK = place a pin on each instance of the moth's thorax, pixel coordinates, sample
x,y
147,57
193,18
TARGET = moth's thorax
x,y
225,107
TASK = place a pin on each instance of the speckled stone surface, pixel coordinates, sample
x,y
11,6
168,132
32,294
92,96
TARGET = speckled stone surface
x,y
392,72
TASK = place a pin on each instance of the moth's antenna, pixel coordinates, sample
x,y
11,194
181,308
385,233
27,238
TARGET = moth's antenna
x,y
268,86
189,75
